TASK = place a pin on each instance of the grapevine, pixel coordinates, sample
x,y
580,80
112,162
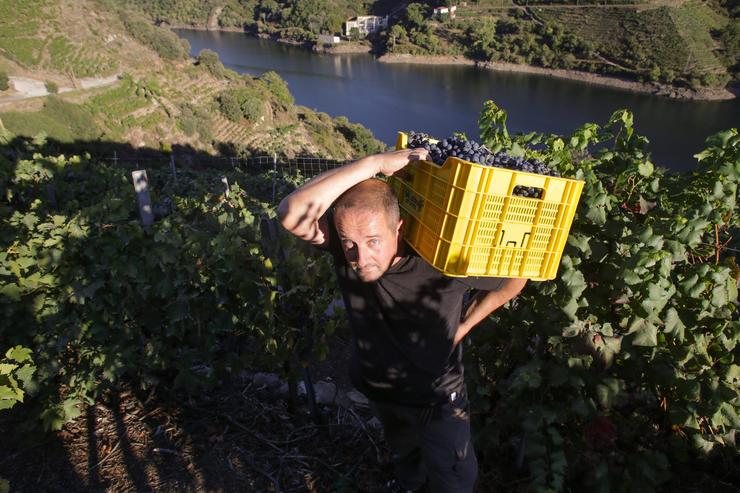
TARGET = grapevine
x,y
620,374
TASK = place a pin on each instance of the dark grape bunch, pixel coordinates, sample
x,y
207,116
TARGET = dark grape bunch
x,y
472,151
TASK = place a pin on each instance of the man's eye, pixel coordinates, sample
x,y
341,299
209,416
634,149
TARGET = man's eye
x,y
374,241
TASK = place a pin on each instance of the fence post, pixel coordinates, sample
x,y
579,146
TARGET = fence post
x,y
141,187
274,175
51,193
115,158
172,166
225,181
310,392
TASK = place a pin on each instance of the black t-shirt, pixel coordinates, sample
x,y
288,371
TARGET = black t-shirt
x,y
403,326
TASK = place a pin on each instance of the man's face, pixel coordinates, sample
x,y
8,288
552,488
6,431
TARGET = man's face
x,y
368,241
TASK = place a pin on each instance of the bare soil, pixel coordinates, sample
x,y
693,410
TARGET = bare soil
x,y
27,87
236,438
239,438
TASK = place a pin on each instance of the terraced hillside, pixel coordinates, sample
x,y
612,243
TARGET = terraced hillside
x,y
674,41
158,102
60,36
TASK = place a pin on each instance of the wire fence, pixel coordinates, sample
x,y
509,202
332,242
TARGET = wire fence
x,y
307,165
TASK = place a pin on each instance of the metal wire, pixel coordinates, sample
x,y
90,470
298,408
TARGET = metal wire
x,y
306,165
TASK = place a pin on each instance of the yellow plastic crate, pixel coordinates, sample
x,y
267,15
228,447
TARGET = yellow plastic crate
x,y
462,218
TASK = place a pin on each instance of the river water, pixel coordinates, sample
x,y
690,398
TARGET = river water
x,y
440,100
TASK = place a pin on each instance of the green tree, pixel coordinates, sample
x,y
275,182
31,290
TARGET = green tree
x,y
4,81
504,27
195,120
397,34
209,59
252,108
186,122
185,45
415,15
360,138
269,10
52,87
310,15
278,87
568,61
166,43
239,14
229,106
730,38
250,101
481,39
668,76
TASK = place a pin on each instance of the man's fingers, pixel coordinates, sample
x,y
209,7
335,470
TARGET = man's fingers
x,y
396,160
417,154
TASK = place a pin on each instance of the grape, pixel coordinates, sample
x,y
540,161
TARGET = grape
x,y
472,151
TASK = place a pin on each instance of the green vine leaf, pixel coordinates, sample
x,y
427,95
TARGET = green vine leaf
x,y
645,168
611,392
645,332
674,325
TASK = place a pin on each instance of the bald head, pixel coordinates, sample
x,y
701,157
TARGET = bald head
x,y
372,195
367,221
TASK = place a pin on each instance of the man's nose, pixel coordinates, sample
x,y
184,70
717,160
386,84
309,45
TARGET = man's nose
x,y
362,256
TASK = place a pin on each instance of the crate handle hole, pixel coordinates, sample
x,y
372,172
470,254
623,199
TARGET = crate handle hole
x,y
528,192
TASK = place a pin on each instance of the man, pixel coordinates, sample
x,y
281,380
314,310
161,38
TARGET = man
x,y
405,318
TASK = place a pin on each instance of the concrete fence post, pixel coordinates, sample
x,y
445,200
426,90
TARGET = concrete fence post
x,y
141,187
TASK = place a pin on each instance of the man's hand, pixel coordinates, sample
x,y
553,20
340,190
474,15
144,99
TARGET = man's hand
x,y
302,211
390,162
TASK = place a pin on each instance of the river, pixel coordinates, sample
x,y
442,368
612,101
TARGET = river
x,y
440,100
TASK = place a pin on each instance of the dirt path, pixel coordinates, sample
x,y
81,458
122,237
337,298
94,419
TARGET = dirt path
x,y
26,87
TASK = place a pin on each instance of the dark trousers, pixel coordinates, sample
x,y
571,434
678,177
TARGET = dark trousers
x,y
431,446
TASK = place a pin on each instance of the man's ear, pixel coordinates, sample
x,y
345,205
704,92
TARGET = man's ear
x,y
399,228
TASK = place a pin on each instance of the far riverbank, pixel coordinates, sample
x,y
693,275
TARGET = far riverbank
x,y
576,75
654,89
442,99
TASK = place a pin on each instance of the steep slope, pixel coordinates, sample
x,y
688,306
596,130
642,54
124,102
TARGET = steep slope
x,y
159,97
671,43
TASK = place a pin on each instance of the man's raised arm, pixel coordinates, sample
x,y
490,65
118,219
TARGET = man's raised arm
x,y
301,211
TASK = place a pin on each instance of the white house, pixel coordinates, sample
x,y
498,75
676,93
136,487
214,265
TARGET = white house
x,y
365,24
442,11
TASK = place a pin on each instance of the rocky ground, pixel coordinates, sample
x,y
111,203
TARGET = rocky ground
x,y
242,437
